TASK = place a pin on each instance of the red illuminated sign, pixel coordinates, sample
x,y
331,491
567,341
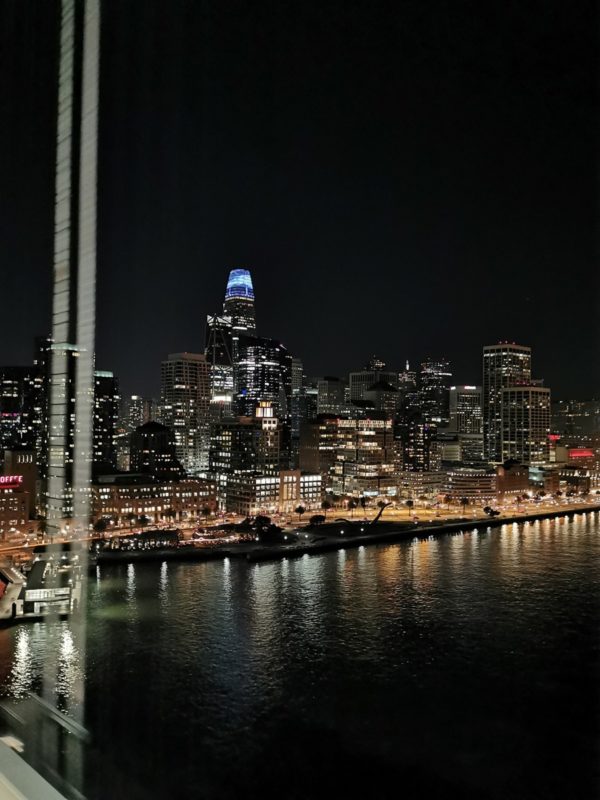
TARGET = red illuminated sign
x,y
581,452
10,481
554,437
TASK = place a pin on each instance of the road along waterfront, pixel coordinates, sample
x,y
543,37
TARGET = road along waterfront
x,y
335,536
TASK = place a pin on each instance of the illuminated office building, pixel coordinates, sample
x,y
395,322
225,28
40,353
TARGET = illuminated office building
x,y
525,424
318,443
364,457
466,448
417,441
153,452
331,395
106,415
121,497
21,407
250,495
504,365
297,385
244,447
310,400
409,398
185,398
137,410
219,355
263,372
434,387
239,306
465,409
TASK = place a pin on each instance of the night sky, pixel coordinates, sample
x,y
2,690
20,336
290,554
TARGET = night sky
x,y
405,178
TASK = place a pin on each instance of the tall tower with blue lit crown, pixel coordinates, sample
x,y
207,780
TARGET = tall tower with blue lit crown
x,y
239,303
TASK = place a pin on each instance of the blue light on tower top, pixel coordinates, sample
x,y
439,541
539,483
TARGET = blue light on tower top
x,y
239,284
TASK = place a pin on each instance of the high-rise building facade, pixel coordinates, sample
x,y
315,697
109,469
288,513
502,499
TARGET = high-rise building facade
x,y
504,365
360,381
384,397
106,415
219,354
153,452
318,443
184,399
137,410
311,399
239,305
364,457
466,415
577,422
21,407
417,441
331,395
409,398
263,372
298,380
525,424
434,386
242,447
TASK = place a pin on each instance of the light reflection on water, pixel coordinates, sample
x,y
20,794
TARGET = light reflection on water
x,y
443,657
21,678
68,669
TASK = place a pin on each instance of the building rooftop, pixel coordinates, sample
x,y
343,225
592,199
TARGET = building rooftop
x,y
152,427
239,284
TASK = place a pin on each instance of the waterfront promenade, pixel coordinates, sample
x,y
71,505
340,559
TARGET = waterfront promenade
x,y
341,534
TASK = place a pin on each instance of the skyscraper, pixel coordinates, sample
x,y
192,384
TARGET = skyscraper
x,y
239,303
21,407
434,386
364,456
504,365
153,452
385,399
219,354
263,372
465,409
417,440
373,372
331,395
407,386
185,398
242,447
136,411
525,424
106,416
297,394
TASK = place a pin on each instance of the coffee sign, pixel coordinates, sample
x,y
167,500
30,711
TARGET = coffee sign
x,y
10,481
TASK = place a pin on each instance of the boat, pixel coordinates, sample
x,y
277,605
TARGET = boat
x,y
51,585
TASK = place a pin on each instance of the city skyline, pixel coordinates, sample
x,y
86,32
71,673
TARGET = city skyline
x,y
129,386
389,230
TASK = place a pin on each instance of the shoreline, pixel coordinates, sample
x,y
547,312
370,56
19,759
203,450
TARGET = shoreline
x,y
323,542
